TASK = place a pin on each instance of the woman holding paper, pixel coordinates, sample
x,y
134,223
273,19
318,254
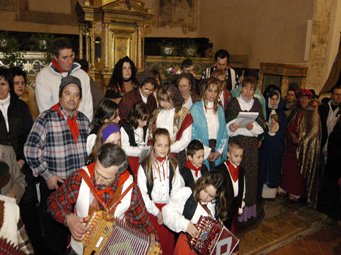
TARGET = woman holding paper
x,y
245,121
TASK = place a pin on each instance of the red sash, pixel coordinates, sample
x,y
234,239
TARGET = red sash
x,y
117,196
188,120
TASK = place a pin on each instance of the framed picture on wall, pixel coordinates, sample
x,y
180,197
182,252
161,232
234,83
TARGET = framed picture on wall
x,y
178,13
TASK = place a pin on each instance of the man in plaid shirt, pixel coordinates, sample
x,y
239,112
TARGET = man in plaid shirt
x,y
106,181
55,148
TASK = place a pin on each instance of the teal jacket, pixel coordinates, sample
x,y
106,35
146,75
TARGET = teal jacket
x,y
200,130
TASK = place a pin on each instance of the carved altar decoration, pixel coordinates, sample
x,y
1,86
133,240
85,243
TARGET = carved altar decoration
x,y
282,75
110,30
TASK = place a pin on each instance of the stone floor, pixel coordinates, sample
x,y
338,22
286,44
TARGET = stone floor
x,y
289,228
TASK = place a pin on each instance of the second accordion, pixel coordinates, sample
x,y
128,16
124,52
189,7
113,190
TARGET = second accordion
x,y
213,238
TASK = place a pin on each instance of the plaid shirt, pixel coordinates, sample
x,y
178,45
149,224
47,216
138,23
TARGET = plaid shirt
x,y
50,148
63,201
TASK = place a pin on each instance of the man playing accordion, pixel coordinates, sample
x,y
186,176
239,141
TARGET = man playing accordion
x,y
105,185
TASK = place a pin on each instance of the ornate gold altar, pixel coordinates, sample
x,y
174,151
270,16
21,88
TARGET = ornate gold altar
x,y
110,30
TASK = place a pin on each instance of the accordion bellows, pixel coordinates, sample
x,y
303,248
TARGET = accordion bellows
x,y
213,238
112,236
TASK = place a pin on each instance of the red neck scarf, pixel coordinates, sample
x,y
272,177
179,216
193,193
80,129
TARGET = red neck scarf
x,y
190,166
234,171
57,66
71,122
160,159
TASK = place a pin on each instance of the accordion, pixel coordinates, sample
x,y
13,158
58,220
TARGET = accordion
x,y
112,236
213,238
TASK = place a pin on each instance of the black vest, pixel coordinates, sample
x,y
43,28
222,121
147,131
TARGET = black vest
x,y
188,177
190,207
150,185
130,131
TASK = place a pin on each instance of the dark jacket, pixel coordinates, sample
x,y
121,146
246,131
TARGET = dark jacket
x,y
131,98
20,123
233,203
323,111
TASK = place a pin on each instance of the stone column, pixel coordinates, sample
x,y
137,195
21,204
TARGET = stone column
x,y
319,42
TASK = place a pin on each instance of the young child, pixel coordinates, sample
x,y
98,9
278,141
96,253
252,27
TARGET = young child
x,y
194,167
106,112
158,178
134,134
175,117
235,183
185,208
273,124
108,133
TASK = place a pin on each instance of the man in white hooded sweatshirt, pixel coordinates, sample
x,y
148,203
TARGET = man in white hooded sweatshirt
x,y
48,79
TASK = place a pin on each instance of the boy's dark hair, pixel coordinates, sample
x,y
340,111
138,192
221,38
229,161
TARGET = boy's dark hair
x,y
60,44
139,111
222,54
292,89
186,63
337,86
193,147
234,143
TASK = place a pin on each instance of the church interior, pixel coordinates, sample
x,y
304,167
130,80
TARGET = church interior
x,y
283,41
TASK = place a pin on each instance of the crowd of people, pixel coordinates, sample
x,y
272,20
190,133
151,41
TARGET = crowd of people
x,y
161,153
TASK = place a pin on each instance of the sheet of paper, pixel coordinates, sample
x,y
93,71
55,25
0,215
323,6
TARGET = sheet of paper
x,y
244,118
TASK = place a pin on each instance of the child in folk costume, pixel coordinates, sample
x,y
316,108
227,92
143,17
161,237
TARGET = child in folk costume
x,y
194,167
106,112
158,178
108,133
185,208
175,117
235,183
134,134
